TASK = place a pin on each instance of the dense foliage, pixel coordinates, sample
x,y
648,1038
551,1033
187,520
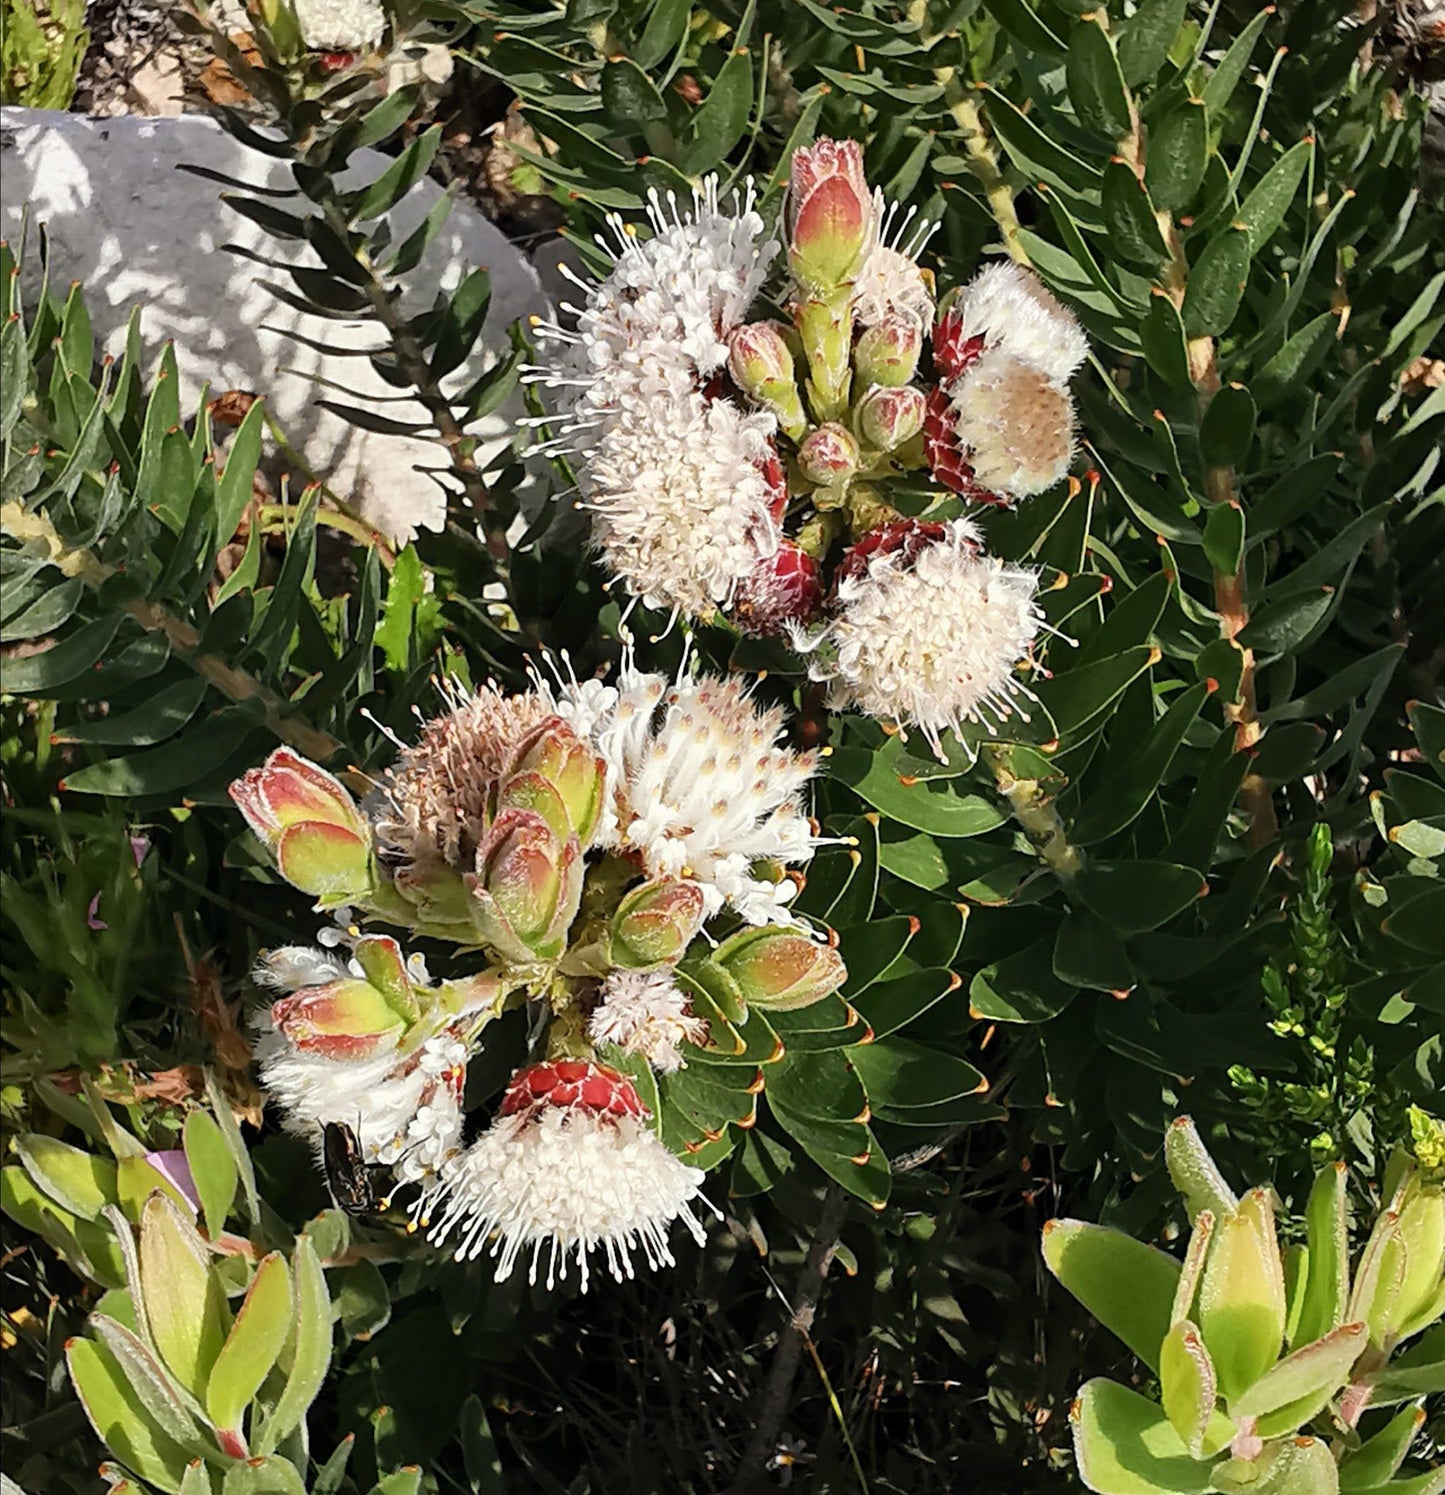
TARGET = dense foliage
x,y
1201,876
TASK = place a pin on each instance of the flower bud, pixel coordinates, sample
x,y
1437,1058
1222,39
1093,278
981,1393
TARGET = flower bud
x,y
780,969
310,824
785,587
346,1019
761,365
829,214
1242,1296
888,353
654,924
555,755
1014,424
887,418
829,455
1421,1208
527,887
572,1084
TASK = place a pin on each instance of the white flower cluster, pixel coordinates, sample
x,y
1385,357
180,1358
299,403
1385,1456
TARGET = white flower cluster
x,y
698,784
341,25
672,474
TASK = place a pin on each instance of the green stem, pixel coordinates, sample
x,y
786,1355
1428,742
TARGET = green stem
x,y
1034,810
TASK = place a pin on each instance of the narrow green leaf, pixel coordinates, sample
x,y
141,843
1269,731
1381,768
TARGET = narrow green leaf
x,y
1146,37
399,178
236,484
1195,1173
1135,896
78,1181
722,118
1267,203
1161,334
311,1350
120,1417
1226,432
1315,1370
213,1169
1224,537
664,32
1188,1388
1096,83
1292,366
262,1325
1225,78
1216,284
1130,218
1177,149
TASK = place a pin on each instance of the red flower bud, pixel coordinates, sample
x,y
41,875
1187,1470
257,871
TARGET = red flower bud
x,y
572,1084
908,538
829,455
888,353
829,214
886,418
785,587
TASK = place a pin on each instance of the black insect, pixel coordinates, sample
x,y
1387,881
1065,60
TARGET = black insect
x,y
348,1175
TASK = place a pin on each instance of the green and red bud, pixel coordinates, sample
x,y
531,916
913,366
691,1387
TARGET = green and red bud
x,y
556,756
761,364
888,353
829,456
527,887
654,924
829,214
384,966
345,1019
889,418
310,824
780,969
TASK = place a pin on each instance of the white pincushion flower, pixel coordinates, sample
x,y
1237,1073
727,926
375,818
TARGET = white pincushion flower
x,y
569,1167
891,283
928,630
700,787
1011,310
1014,424
672,474
644,1012
341,25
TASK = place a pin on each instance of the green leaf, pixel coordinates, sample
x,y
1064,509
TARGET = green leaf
x,y
399,178
1128,1286
1089,954
38,674
1023,23
933,805
1226,432
1269,200
311,1348
1130,218
1135,896
1077,698
1327,1279
1313,1373
889,1005
262,1326
1379,1457
78,1181
236,484
480,1458
1420,923
1021,988
665,29
1216,284
1096,83
159,716
213,1169
361,1298
1161,335
1292,366
629,97
1187,1385
120,1417
240,1154
184,1303
1195,1173
1124,1445
1224,537
214,740
1178,148
163,1399
1225,78
722,118
1146,37
1241,1298
901,1075
271,1475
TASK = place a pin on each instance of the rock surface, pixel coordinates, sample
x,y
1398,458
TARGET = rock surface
x,y
135,229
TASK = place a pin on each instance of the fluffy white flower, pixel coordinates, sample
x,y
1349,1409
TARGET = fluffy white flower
x,y
1010,308
891,283
1015,424
644,1012
928,635
569,1167
699,785
341,25
672,475
680,502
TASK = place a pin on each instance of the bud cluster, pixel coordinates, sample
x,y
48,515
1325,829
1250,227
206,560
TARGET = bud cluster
x,y
869,383
579,837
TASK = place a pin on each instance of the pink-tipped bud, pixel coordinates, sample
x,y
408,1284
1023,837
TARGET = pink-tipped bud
x,y
654,925
829,214
829,455
554,753
761,364
572,1084
346,1019
888,353
310,824
527,887
785,587
886,418
780,969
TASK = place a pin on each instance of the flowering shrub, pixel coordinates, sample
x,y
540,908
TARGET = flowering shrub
x,y
944,680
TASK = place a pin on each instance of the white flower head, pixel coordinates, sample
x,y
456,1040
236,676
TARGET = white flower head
x,y
891,283
672,473
645,1013
1014,423
1010,308
570,1167
929,634
341,25
700,786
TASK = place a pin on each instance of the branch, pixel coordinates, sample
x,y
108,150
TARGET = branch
x,y
775,1400
1033,807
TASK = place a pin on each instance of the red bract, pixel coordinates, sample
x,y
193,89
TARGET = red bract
x,y
786,587
952,351
945,452
775,476
905,537
572,1084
